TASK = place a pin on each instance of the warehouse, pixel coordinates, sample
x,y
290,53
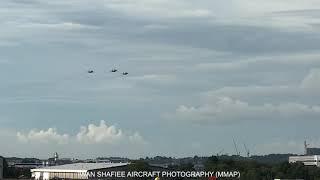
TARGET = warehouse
x,y
74,171
306,160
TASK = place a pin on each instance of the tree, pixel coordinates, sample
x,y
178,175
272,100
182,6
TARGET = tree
x,y
138,165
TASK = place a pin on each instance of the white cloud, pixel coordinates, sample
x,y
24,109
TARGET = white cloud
x,y
43,136
304,90
240,103
229,110
99,134
136,138
92,134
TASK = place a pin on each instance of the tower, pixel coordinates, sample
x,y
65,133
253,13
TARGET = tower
x,y
305,147
56,157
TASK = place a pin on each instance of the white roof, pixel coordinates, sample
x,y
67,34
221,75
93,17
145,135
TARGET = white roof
x,y
78,167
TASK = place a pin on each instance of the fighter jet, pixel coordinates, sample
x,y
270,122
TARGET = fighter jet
x,y
125,73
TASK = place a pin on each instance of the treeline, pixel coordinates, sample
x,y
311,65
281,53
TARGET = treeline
x,y
265,159
250,168
15,173
253,170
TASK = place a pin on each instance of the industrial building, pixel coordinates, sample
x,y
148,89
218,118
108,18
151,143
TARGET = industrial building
x,y
311,156
74,171
306,160
310,150
313,151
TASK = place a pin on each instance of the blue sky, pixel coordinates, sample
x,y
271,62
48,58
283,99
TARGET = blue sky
x,y
201,73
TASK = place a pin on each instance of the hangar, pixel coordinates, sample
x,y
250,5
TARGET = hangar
x,y
74,171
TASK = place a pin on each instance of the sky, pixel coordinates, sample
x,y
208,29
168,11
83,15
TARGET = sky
x,y
201,73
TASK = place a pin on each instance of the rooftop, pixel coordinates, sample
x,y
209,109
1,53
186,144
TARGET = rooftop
x,y
78,167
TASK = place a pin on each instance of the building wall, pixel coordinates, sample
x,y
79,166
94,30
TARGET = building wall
x,y
57,175
78,176
306,160
313,151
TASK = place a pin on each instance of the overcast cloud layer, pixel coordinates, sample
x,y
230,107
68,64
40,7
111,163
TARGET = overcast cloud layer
x,y
200,74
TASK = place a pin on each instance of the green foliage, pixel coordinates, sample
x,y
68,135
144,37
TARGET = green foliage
x,y
5,167
252,170
139,165
14,173
186,167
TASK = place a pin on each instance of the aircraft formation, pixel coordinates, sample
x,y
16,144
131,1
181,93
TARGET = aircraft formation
x,y
112,70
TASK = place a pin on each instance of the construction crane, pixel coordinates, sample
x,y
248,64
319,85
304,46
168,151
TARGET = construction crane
x,y
219,153
236,148
246,149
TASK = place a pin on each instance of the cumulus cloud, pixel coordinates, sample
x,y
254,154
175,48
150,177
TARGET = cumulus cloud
x,y
136,138
302,89
91,134
241,103
99,134
229,110
43,136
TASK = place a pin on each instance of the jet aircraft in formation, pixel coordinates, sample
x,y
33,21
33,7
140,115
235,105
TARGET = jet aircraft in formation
x,y
112,70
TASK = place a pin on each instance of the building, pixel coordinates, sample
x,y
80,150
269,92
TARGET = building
x,y
310,150
27,165
74,171
313,151
103,161
306,160
1,167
